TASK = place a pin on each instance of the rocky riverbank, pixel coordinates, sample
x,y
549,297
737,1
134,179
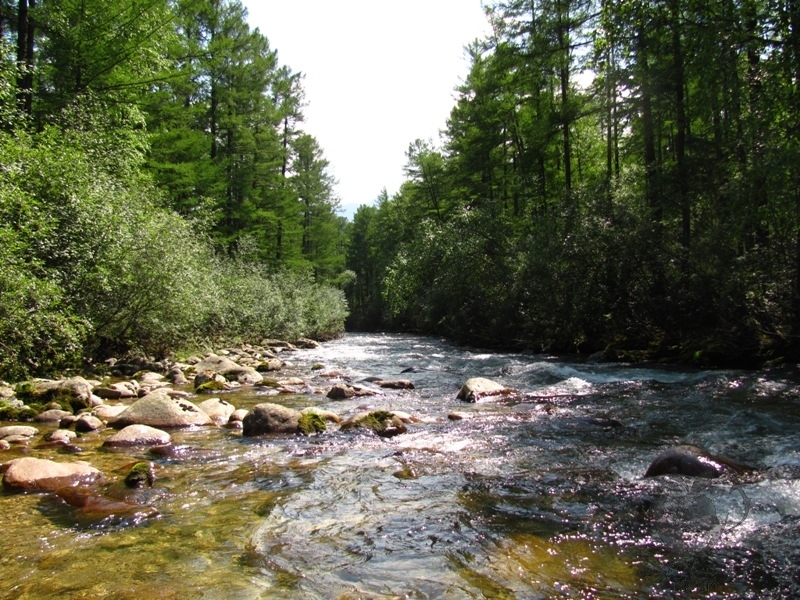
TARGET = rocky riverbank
x,y
136,406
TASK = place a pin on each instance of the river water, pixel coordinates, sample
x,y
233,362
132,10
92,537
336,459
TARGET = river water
x,y
538,496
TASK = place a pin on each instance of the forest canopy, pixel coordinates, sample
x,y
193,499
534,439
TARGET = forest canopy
x,y
615,176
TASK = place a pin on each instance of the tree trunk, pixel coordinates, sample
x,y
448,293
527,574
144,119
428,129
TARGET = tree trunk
x,y
26,30
680,123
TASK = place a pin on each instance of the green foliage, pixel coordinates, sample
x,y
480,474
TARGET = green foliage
x,y
648,205
154,188
252,304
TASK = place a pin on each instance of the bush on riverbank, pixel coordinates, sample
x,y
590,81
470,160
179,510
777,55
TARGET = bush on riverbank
x,y
93,265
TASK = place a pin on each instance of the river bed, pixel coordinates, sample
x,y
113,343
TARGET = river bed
x,y
541,496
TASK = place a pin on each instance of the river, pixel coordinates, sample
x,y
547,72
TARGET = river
x,y
541,496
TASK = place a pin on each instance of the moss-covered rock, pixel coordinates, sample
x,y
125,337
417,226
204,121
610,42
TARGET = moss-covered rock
x,y
311,423
16,412
141,474
210,387
71,394
271,364
380,422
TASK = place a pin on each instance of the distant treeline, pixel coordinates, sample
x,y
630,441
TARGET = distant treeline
x,y
156,187
616,176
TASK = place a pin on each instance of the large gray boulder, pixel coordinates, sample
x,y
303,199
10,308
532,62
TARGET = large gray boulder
x,y
271,418
229,369
158,409
478,388
38,474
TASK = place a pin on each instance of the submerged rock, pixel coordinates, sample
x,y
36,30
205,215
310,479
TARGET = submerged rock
x,y
478,388
96,506
268,418
694,461
38,474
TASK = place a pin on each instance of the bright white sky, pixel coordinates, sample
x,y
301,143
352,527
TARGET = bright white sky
x,y
378,75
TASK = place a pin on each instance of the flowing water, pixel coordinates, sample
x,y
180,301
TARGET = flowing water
x,y
539,496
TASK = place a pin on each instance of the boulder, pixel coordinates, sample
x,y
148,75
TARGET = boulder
x,y
219,410
109,412
158,409
68,421
141,474
342,391
177,377
17,431
238,415
382,422
271,418
270,364
118,391
311,423
76,391
149,378
208,381
61,436
54,415
229,369
138,435
306,344
459,416
87,423
693,461
38,474
326,415
478,388
396,384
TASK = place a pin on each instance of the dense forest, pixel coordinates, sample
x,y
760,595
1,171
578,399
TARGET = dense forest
x,y
157,189
615,176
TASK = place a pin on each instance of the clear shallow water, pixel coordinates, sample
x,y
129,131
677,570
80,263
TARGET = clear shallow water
x,y
539,497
